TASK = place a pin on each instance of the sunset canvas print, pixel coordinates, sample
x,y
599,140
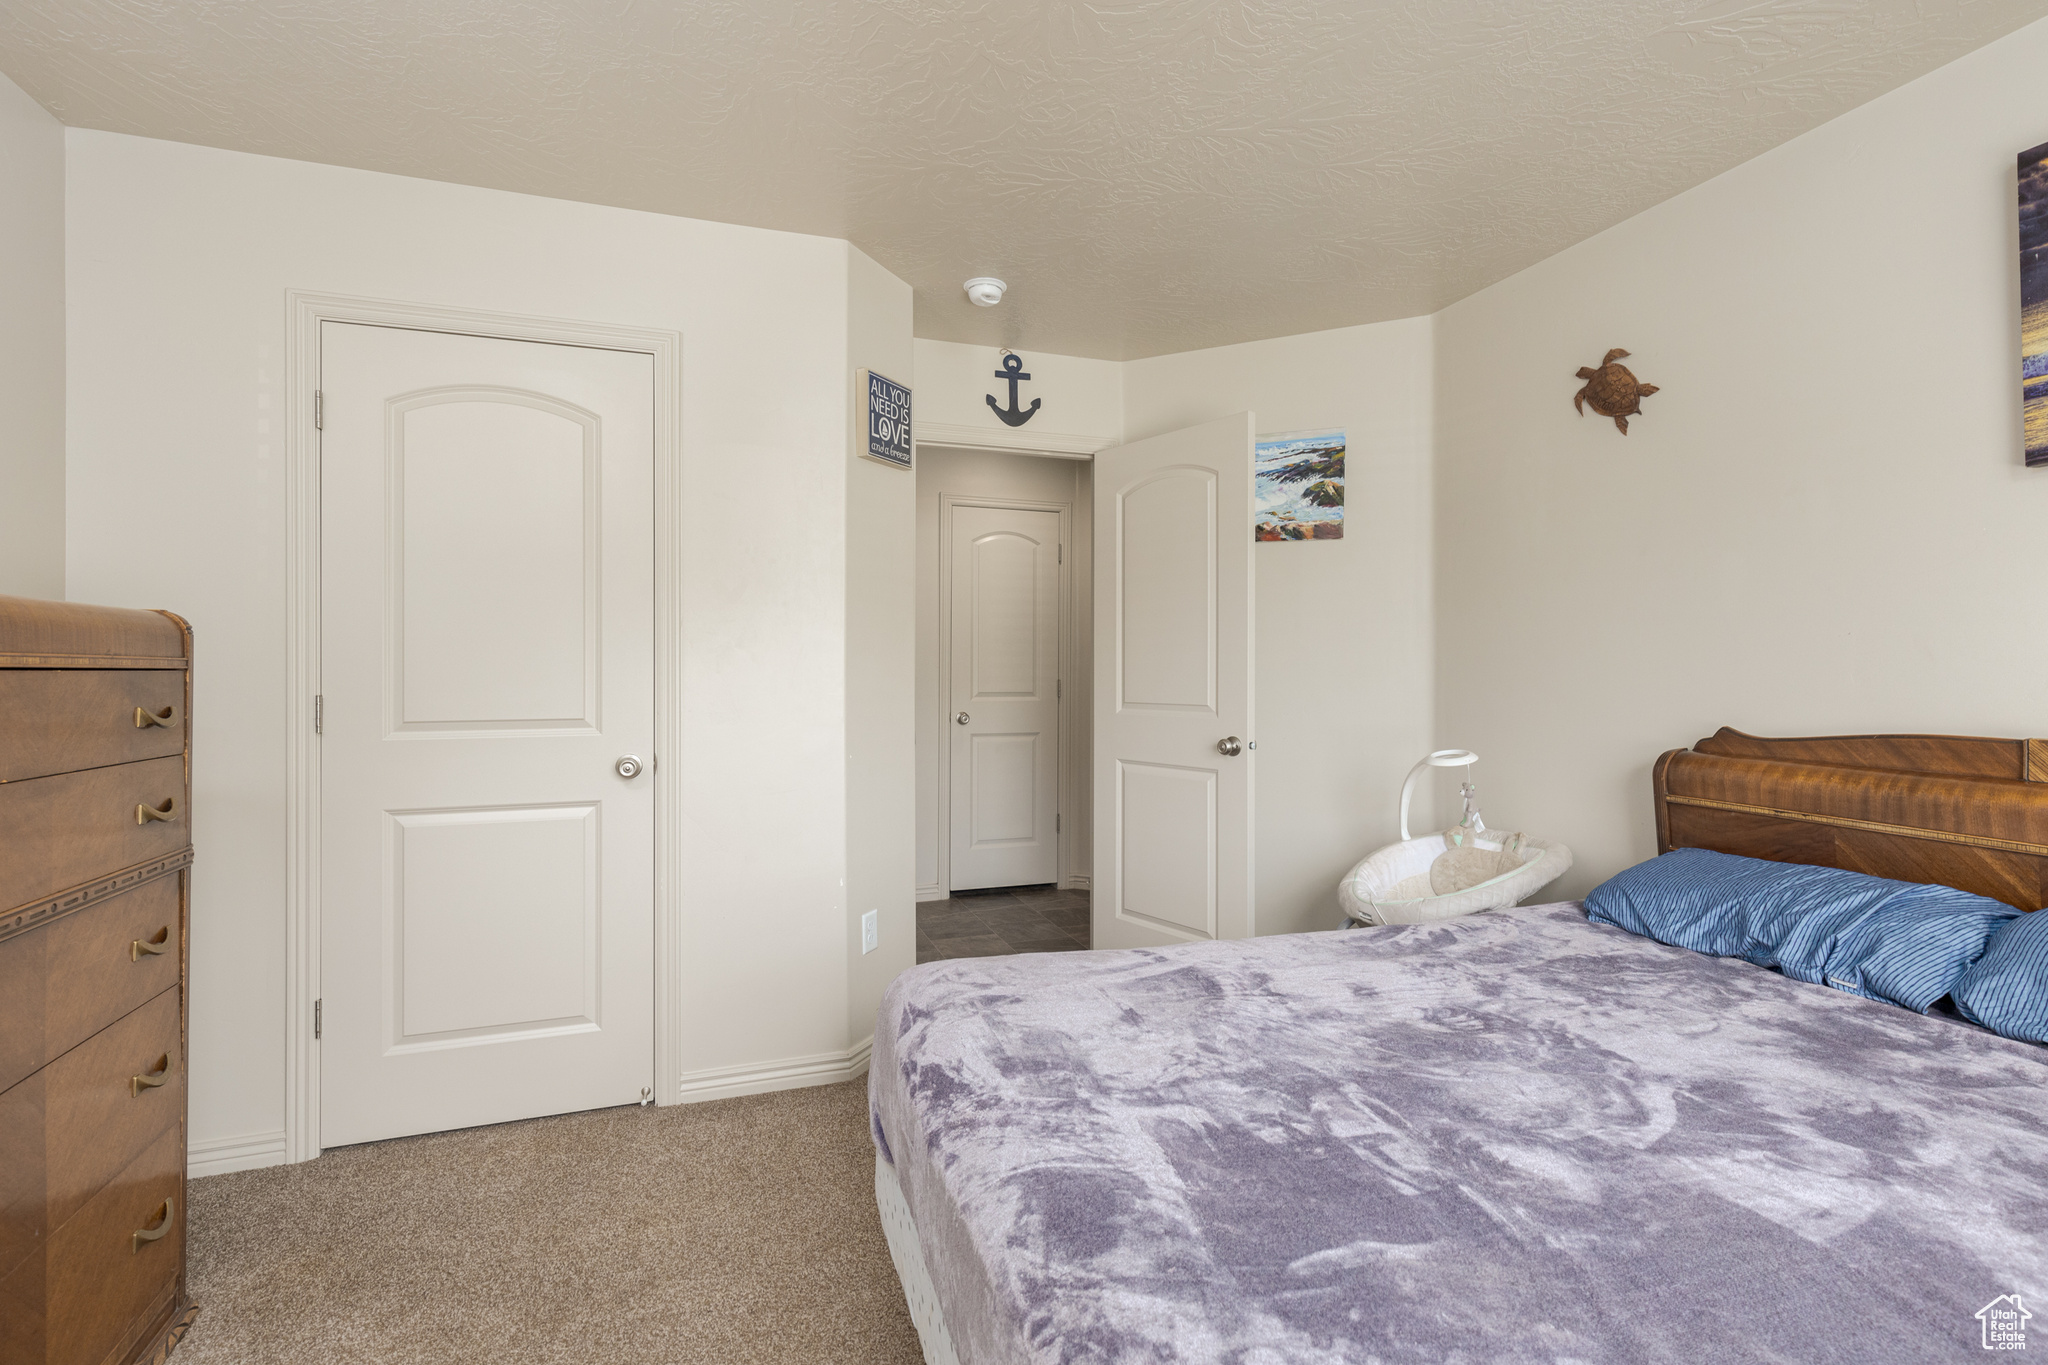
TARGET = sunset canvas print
x,y
1299,486
2034,301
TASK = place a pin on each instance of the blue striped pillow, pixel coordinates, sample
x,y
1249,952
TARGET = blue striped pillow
x,y
1903,942
2007,990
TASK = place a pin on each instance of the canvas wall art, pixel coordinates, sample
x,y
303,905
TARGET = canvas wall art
x,y
2034,301
1298,488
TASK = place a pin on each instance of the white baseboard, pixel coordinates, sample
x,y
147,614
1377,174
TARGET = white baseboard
x,y
218,1156
1073,881
790,1073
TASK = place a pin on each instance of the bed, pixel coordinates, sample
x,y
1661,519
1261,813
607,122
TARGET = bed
x,y
1519,1136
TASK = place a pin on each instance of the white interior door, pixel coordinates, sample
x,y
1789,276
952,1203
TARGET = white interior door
x,y
1173,687
1004,712
486,658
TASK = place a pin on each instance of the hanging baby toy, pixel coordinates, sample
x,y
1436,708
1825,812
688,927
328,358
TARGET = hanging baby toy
x,y
1465,869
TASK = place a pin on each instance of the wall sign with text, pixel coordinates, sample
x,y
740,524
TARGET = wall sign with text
x,y
885,417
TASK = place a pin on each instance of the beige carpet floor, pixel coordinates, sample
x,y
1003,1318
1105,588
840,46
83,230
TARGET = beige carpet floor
x,y
736,1231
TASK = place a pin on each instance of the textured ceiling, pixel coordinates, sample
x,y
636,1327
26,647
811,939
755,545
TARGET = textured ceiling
x,y
1149,175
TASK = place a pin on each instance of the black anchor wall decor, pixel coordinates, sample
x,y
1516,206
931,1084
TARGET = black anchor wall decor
x,y
1013,370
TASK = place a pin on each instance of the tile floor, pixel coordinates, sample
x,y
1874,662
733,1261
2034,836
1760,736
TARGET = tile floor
x,y
1031,919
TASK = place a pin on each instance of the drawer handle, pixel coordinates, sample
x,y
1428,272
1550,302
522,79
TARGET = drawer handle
x,y
159,942
163,1225
167,811
144,717
152,1078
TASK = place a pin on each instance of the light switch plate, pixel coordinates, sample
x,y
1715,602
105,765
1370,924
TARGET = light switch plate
x,y
871,931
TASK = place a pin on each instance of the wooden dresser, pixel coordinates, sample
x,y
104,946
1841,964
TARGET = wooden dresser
x,y
95,843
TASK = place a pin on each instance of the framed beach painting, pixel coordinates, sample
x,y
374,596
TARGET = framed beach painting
x,y
1298,486
2034,301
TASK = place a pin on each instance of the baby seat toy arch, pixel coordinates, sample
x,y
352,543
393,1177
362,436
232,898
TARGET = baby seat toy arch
x,y
1463,870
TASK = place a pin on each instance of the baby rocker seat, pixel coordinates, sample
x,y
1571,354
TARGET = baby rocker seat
x,y
1461,871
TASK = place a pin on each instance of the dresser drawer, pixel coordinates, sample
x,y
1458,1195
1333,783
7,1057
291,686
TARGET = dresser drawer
x,y
71,978
103,1284
91,1287
74,1125
86,718
61,831
108,1098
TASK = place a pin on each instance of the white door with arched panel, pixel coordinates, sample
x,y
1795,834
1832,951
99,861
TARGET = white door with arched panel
x,y
1003,718
486,662
1173,687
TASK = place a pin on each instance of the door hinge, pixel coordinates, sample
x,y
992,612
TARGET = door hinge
x,y
318,416
316,1021
1063,553
1059,688
1055,822
319,712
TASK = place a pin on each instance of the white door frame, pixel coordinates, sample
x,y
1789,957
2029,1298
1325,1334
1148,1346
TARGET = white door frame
x,y
304,314
1071,655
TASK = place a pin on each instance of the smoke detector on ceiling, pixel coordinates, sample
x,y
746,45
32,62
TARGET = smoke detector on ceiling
x,y
985,291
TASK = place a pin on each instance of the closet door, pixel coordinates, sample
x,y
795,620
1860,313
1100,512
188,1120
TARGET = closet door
x,y
1004,712
1173,687
487,661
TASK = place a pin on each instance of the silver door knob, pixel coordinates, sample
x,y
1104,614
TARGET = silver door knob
x,y
960,719
1231,747
630,767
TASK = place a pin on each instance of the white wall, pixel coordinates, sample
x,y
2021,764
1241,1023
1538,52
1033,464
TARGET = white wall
x,y
31,347
1822,524
995,474
880,645
1082,400
178,262
1344,626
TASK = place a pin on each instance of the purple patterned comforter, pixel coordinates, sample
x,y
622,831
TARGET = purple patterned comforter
x,y
1513,1137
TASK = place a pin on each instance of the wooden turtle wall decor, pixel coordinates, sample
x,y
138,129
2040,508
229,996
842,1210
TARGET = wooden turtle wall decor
x,y
1612,390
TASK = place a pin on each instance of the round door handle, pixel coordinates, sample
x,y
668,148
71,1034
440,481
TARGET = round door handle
x,y
630,767
961,719
1231,747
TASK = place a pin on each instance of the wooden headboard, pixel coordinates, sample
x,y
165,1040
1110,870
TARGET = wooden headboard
x,y
1969,813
